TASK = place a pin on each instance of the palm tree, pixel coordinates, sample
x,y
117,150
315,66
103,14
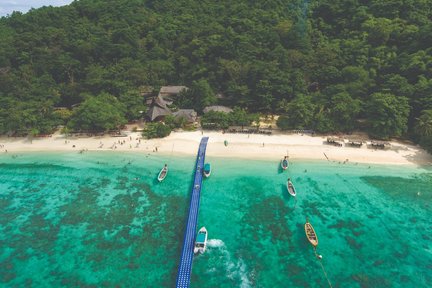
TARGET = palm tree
x,y
423,126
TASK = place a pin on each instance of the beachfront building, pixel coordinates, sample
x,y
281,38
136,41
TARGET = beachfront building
x,y
168,93
189,115
158,109
159,105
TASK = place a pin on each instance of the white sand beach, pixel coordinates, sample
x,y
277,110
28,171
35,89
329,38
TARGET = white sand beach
x,y
254,146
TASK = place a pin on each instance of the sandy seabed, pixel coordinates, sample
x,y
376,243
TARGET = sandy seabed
x,y
253,146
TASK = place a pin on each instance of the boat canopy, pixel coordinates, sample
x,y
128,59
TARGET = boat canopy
x,y
207,167
200,237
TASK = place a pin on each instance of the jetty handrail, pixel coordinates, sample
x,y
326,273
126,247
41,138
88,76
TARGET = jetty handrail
x,y
185,266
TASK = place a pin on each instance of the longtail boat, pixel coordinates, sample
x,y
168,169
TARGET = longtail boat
x,y
310,233
291,188
313,239
284,163
163,173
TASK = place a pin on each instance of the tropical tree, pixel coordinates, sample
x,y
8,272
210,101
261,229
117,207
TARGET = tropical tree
x,y
240,117
216,120
133,102
299,114
33,133
423,126
387,115
156,130
97,114
198,96
423,129
344,110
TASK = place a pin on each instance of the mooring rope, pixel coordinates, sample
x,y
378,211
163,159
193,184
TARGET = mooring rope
x,y
319,257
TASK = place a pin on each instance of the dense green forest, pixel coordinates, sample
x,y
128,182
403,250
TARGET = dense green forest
x,y
327,65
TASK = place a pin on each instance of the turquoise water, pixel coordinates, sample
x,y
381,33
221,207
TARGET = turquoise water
x,y
103,220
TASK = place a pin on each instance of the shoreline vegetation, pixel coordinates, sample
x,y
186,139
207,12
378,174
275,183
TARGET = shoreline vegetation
x,y
248,146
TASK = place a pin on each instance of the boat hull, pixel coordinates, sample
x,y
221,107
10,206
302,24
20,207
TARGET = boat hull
x,y
201,241
162,174
310,234
207,170
284,164
291,189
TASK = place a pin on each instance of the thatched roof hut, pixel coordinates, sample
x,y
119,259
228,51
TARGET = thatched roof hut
x,y
380,144
158,108
335,141
189,114
157,112
167,92
355,142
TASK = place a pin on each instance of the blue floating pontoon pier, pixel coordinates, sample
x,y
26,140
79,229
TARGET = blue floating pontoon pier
x,y
185,267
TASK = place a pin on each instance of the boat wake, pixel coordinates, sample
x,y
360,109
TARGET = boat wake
x,y
215,243
236,269
243,274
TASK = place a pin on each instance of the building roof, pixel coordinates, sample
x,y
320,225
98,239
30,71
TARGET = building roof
x,y
217,109
335,139
157,111
189,114
159,101
380,143
172,89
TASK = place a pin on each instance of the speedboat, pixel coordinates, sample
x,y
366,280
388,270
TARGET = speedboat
x,y
163,173
207,170
201,241
291,188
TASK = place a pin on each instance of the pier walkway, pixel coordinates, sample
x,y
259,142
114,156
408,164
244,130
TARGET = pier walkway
x,y
185,267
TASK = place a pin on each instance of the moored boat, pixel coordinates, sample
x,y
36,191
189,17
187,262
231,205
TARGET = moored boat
x,y
163,173
201,241
207,170
284,163
310,233
291,188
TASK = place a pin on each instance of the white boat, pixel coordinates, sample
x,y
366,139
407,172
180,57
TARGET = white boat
x,y
291,188
207,170
201,241
284,163
163,173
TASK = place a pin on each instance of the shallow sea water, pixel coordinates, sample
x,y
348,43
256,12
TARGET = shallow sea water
x,y
102,220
